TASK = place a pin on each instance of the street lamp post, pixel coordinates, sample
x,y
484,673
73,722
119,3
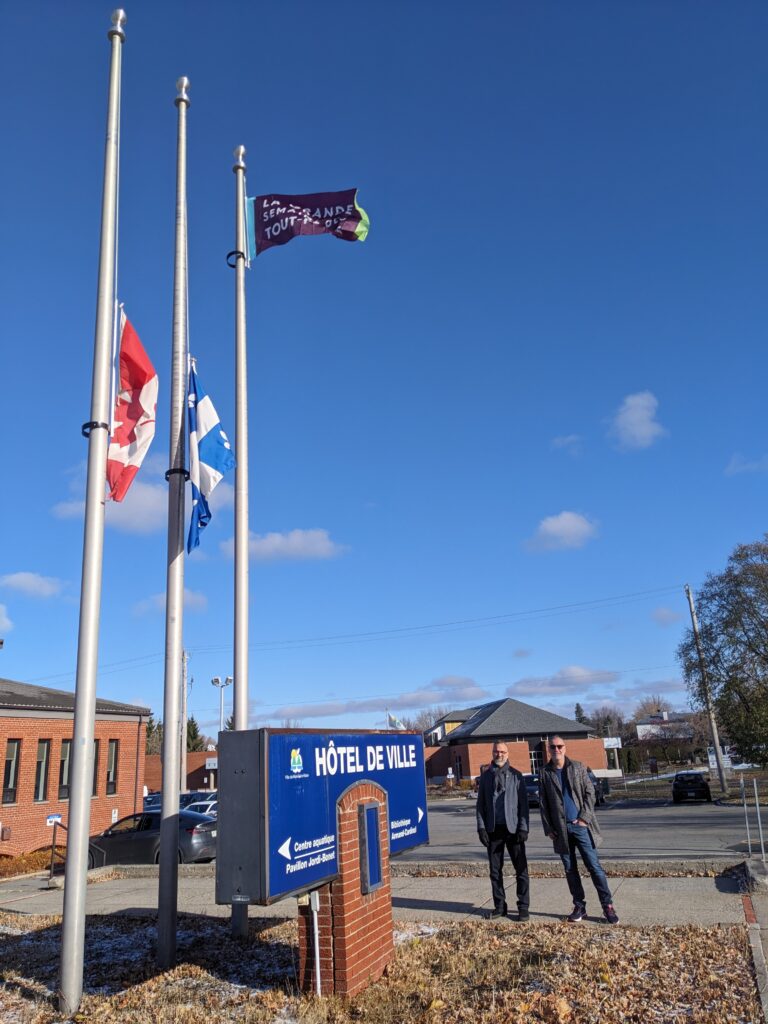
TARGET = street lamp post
x,y
216,681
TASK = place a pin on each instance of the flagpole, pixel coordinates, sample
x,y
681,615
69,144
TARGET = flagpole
x,y
97,432
240,698
174,607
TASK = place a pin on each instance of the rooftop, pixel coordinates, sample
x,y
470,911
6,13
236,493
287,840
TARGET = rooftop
x,y
27,696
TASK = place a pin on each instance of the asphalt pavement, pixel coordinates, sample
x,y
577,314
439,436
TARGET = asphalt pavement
x,y
632,830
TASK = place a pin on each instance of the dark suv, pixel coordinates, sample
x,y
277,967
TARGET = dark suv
x,y
690,786
602,787
532,788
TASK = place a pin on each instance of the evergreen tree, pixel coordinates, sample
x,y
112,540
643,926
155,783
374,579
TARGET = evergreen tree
x,y
194,739
154,742
578,714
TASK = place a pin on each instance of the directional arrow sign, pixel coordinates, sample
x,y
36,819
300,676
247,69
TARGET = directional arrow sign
x,y
285,849
421,813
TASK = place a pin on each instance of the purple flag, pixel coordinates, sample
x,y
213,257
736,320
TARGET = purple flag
x,y
276,219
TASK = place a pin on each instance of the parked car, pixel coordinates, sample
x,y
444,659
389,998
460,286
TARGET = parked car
x,y
602,787
185,799
532,787
204,807
152,801
136,840
690,786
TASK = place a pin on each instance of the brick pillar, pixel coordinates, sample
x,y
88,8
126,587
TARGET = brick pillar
x,y
356,942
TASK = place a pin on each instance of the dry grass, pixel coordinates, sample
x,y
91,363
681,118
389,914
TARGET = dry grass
x,y
468,973
27,863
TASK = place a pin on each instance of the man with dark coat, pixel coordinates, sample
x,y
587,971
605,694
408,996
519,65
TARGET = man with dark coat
x,y
567,805
502,822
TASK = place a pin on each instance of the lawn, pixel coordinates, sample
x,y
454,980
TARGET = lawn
x,y
468,973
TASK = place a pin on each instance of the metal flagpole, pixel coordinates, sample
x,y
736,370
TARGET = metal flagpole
x,y
240,699
97,432
174,609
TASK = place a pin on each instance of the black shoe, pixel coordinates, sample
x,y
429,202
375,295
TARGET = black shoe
x,y
497,912
610,914
523,915
578,913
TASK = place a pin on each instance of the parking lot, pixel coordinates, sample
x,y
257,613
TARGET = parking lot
x,y
632,830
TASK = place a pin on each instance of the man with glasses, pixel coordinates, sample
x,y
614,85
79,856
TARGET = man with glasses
x,y
567,804
502,822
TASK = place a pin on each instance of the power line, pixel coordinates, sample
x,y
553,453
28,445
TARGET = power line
x,y
401,632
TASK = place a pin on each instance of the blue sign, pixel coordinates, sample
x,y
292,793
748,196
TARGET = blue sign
x,y
308,772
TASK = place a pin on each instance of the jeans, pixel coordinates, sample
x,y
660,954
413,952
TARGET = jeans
x,y
580,838
498,840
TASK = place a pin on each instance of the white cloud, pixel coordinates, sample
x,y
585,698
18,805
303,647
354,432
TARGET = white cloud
x,y
5,623
635,426
740,464
570,443
295,545
194,601
74,509
565,530
456,691
32,584
144,510
573,679
665,616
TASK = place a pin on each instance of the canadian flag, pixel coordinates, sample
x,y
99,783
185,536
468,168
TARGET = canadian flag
x,y
133,425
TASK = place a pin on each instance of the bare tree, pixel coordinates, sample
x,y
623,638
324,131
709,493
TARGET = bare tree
x,y
607,720
650,705
423,720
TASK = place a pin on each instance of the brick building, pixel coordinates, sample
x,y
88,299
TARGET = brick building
x,y
199,777
462,740
36,746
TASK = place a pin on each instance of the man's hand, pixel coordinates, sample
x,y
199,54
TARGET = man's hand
x,y
521,836
483,836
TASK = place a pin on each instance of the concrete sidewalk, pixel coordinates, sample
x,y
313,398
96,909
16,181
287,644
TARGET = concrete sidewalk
x,y
639,901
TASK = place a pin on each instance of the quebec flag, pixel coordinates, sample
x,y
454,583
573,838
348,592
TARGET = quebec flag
x,y
210,454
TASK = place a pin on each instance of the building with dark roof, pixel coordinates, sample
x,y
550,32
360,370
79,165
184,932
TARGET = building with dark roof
x,y
459,744
36,744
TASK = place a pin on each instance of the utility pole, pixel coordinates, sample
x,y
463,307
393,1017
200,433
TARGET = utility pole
x,y
707,695
183,754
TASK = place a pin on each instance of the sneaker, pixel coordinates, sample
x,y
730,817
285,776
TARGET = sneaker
x,y
497,912
523,915
610,914
578,913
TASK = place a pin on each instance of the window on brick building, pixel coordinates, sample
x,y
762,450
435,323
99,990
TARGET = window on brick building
x,y
95,789
66,750
112,767
11,773
41,770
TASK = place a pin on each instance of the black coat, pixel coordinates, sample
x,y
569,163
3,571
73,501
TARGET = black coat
x,y
515,800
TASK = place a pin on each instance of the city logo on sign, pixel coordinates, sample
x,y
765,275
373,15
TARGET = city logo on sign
x,y
297,765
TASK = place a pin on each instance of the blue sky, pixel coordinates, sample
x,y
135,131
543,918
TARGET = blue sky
x,y
487,447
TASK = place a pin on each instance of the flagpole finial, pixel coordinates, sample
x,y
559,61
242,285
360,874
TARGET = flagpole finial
x,y
119,18
182,84
239,154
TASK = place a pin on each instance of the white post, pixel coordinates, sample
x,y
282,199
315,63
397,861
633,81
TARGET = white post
x,y
73,924
240,700
174,606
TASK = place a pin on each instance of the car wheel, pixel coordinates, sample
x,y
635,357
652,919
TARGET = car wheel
x,y
91,860
157,857
181,857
